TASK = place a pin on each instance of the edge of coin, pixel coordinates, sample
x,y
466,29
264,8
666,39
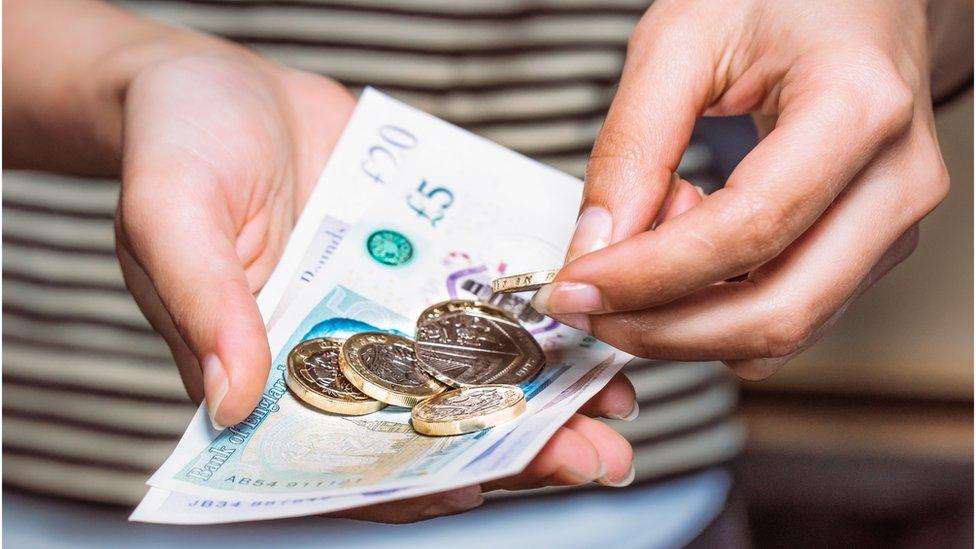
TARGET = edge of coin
x,y
474,302
308,395
533,281
378,393
470,425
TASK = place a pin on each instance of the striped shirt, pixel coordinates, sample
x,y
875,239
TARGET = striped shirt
x,y
92,401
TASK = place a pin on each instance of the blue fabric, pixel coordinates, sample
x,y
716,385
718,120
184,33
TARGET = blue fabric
x,y
666,514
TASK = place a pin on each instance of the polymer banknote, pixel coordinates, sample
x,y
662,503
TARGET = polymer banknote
x,y
409,211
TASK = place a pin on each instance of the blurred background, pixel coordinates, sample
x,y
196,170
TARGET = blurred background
x,y
868,436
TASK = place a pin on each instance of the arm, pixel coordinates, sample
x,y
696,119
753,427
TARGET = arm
x,y
66,67
221,149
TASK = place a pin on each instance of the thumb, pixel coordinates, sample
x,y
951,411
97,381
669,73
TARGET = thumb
x,y
665,85
182,236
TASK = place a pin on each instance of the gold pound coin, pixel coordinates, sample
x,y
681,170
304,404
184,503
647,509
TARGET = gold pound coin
x,y
467,410
384,367
466,343
313,376
525,282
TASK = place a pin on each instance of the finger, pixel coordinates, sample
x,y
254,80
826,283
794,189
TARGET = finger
x,y
781,305
178,231
593,226
772,197
685,197
568,459
617,400
761,368
417,509
152,308
664,86
615,451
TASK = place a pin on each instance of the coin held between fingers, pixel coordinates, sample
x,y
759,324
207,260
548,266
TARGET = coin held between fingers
x,y
525,282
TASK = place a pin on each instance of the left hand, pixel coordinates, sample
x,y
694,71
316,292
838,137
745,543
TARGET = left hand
x,y
221,151
826,204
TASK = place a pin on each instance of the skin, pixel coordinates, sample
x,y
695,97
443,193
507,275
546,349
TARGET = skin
x,y
826,204
218,149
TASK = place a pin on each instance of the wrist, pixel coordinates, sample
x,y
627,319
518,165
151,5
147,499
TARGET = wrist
x,y
122,66
66,67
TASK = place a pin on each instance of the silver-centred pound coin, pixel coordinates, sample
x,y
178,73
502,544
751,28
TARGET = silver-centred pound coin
x,y
469,343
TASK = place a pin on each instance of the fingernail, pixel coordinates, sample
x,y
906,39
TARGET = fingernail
x,y
456,502
567,297
620,483
579,321
701,191
631,416
577,477
214,386
593,231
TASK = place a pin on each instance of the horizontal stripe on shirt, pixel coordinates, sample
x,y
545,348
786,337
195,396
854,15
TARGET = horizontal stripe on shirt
x,y
536,77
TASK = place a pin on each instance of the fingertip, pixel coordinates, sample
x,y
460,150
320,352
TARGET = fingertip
x,y
618,400
246,381
215,385
594,229
614,451
756,369
243,352
454,502
569,458
686,196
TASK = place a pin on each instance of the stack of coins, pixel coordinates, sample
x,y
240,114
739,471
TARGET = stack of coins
x,y
459,375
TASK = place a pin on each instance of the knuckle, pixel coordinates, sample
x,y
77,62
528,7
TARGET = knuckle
x,y
639,342
786,334
930,186
618,145
758,223
938,184
889,100
870,91
891,103
627,333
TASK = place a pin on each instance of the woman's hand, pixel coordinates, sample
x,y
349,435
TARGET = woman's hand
x,y
221,151
824,206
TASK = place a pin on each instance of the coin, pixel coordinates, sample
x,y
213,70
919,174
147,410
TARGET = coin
x,y
466,343
467,410
313,376
525,282
384,367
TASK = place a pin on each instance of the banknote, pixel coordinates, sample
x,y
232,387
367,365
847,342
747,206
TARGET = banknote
x,y
410,211
507,457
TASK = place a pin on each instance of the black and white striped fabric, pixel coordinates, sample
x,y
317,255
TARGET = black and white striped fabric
x,y
92,402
